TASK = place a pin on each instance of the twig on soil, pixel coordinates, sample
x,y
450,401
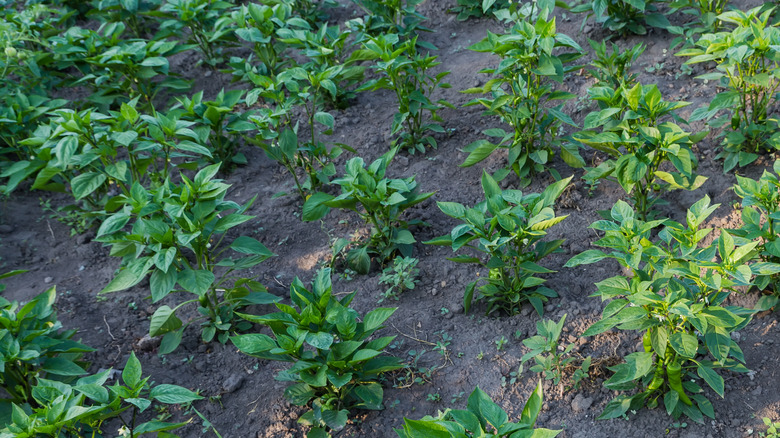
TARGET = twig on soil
x,y
108,328
412,337
50,230
255,402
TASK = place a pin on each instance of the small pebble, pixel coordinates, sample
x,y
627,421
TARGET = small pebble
x,y
581,403
233,383
148,343
47,280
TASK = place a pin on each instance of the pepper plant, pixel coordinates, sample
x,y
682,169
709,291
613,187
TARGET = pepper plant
x,y
392,17
136,14
328,48
508,228
676,300
82,408
208,23
550,357
218,123
521,93
380,202
623,16
760,210
613,69
335,365
706,15
400,277
80,152
177,236
258,24
482,417
406,71
472,8
116,69
20,114
278,134
747,63
633,132
33,346
309,89
25,50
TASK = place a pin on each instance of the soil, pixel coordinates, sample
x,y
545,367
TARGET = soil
x,y
244,400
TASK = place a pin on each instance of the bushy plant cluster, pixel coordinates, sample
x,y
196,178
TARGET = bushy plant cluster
x,y
144,169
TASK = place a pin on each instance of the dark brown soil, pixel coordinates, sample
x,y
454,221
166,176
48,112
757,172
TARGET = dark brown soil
x,y
246,401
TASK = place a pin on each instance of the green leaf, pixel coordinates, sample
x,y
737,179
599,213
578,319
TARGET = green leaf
x,y
482,149
601,326
533,406
125,279
159,427
324,119
375,318
336,420
170,341
358,260
173,394
425,428
62,367
162,283
684,344
163,321
371,394
131,375
320,340
232,220
156,61
253,343
712,378
129,113
452,209
249,245
486,410
86,183
196,281
616,408
585,258
299,394
113,224
315,208
724,100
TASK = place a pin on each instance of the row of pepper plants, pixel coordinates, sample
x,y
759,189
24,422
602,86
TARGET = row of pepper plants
x,y
142,155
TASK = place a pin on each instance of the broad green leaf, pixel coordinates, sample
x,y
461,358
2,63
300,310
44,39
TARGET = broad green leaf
x,y
314,208
249,245
86,183
131,375
371,394
163,320
684,344
173,394
375,318
253,343
712,378
196,281
62,367
585,258
299,394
